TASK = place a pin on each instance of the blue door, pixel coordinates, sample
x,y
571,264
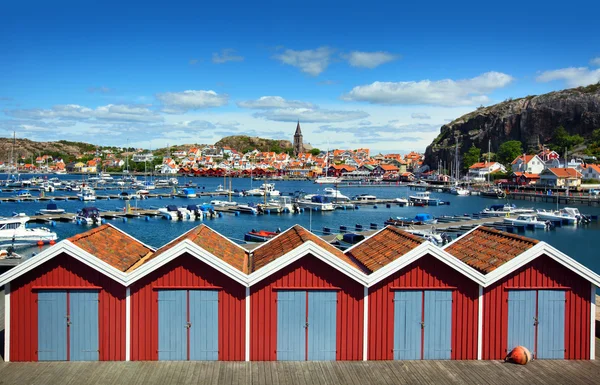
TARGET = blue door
x,y
551,324
52,325
172,325
521,319
291,325
322,319
204,325
83,325
437,344
407,324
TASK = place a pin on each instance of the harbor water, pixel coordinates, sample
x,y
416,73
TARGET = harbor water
x,y
575,241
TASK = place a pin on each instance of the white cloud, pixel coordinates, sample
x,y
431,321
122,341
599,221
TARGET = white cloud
x,y
310,115
420,115
595,61
369,59
110,112
266,102
392,126
226,55
191,100
445,92
573,77
310,61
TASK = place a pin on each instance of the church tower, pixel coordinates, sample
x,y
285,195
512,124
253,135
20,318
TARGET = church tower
x,y
298,145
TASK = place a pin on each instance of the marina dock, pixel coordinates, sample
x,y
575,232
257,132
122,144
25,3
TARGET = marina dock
x,y
300,373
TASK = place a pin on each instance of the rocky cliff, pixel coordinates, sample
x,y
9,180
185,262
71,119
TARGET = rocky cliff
x,y
244,143
527,119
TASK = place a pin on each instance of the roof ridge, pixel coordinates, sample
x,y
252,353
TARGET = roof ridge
x,y
507,234
87,233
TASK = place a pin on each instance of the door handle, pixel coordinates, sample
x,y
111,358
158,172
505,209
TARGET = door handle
x,y
188,325
306,325
68,320
422,325
535,321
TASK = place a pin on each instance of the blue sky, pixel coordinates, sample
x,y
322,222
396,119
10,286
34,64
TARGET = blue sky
x,y
380,74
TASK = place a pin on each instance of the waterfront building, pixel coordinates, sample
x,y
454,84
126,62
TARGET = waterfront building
x,y
103,295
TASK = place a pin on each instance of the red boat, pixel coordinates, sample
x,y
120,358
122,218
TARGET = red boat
x,y
259,236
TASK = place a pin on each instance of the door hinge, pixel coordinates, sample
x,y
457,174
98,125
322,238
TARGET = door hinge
x,y
306,325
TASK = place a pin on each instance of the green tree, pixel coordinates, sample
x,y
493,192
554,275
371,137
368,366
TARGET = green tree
x,y
596,136
471,157
508,151
315,152
561,140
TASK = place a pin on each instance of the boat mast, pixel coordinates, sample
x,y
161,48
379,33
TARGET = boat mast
x,y
488,165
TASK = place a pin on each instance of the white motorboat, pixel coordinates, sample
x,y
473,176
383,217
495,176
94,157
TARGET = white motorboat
x,y
335,195
247,209
73,187
52,208
23,194
504,210
365,198
105,176
327,180
527,220
55,182
317,203
173,181
557,215
195,212
432,236
221,190
220,203
284,202
87,195
459,191
401,201
14,232
174,213
88,216
187,193
423,197
162,183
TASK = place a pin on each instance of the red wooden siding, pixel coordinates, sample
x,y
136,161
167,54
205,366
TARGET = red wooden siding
x,y
65,271
543,272
187,272
308,272
428,272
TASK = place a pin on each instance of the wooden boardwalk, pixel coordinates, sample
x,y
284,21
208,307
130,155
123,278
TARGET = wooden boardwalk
x,y
291,373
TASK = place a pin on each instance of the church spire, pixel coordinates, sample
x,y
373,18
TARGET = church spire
x,y
298,144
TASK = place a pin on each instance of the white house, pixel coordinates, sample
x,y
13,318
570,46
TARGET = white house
x,y
531,164
482,169
560,177
591,171
147,157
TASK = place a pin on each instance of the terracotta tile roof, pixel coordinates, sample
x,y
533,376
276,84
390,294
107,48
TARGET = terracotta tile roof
x,y
526,175
384,247
482,165
565,172
214,243
485,249
594,167
112,246
526,158
289,240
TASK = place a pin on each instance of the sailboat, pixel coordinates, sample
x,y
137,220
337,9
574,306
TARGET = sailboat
x,y
492,192
327,179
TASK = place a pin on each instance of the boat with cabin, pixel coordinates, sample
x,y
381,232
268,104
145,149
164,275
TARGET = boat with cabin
x,y
505,210
87,195
527,220
174,213
187,192
424,198
365,198
88,216
457,190
335,195
51,208
23,194
316,202
259,236
419,219
14,232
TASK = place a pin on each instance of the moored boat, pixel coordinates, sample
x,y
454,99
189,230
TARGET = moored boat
x,y
187,192
51,208
88,216
174,213
259,236
14,232
527,220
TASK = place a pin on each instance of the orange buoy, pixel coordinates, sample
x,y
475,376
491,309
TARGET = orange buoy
x,y
40,243
52,242
519,355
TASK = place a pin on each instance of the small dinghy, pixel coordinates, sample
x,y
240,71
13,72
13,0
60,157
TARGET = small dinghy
x,y
52,208
259,236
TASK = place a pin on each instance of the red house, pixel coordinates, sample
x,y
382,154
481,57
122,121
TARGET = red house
x,y
68,303
423,303
306,300
535,296
188,300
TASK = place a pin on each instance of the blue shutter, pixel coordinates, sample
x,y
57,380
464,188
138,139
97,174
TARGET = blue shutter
x,y
172,321
204,329
438,325
551,324
521,319
83,330
291,325
322,317
407,324
52,325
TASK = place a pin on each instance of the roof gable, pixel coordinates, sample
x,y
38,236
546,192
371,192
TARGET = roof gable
x,y
485,249
214,243
383,247
112,246
289,240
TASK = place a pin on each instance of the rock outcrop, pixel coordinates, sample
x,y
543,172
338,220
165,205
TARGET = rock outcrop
x,y
531,120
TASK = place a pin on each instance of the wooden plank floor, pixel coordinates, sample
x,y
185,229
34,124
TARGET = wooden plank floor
x,y
292,373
